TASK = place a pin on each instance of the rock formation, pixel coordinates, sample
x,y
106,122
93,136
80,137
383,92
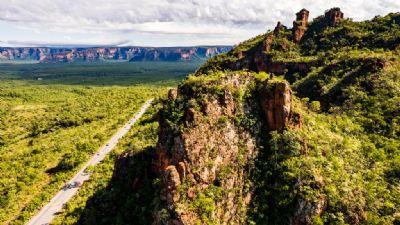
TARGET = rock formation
x,y
268,42
241,55
207,159
333,16
279,27
207,154
300,25
172,94
276,102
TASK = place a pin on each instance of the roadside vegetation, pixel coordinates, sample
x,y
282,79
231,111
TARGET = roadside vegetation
x,y
54,116
105,199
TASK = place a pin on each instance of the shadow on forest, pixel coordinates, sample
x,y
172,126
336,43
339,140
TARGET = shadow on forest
x,y
130,196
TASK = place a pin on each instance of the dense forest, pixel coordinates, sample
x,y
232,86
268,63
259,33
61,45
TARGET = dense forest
x,y
50,126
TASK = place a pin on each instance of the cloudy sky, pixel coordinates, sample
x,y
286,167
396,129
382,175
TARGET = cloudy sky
x,y
159,22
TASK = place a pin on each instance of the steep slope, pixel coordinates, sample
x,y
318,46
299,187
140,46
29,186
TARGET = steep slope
x,y
211,134
296,126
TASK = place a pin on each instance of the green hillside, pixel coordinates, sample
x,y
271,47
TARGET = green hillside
x,y
345,158
333,157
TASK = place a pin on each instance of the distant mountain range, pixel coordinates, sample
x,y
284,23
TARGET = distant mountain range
x,y
93,54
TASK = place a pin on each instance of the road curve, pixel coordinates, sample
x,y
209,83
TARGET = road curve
x,y
49,211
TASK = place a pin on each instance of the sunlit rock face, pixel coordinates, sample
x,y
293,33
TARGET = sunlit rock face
x,y
300,25
209,154
276,103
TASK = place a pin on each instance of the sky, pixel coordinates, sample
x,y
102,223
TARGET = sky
x,y
160,22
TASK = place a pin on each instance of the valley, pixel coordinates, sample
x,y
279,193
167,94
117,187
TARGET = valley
x,y
50,126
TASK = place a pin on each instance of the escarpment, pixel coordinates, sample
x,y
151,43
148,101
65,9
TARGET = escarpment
x,y
203,156
290,127
207,155
131,54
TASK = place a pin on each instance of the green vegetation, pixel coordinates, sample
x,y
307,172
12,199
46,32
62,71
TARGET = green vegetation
x,y
378,33
342,165
332,163
381,34
336,162
107,200
50,126
99,74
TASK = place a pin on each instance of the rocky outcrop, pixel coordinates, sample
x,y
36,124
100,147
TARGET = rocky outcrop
x,y
261,60
268,42
279,27
205,155
300,25
276,100
333,17
52,55
241,55
172,181
205,164
305,211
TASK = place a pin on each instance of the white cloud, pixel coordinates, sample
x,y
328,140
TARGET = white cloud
x,y
211,20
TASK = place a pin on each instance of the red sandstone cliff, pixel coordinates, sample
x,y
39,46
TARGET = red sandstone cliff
x,y
53,55
211,156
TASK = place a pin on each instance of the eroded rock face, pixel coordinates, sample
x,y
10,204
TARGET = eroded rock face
x,y
172,181
300,25
305,211
205,159
241,54
334,16
210,160
276,102
267,43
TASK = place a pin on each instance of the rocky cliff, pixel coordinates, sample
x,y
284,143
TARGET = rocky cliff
x,y
209,141
296,126
111,53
